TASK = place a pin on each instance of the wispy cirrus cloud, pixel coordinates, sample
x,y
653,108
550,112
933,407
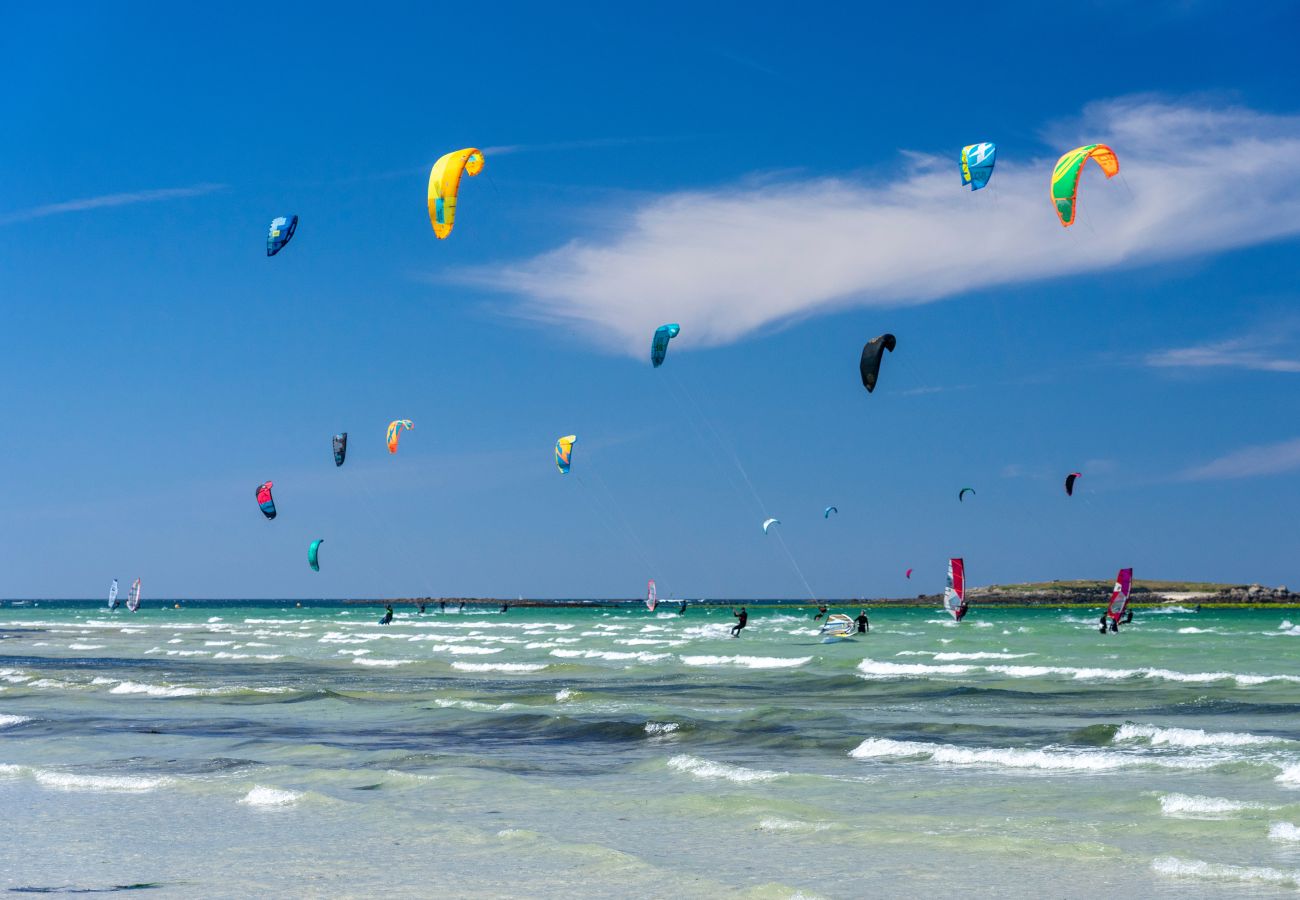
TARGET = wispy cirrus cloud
x,y
107,200
1258,353
1196,178
1262,459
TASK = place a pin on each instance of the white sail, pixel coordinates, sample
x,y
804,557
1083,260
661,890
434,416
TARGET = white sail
x,y
112,595
133,596
651,596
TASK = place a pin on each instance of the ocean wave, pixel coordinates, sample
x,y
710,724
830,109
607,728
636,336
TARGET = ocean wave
x,y
87,646
884,669
612,655
954,655
658,729
1174,867
1191,805
498,667
1290,775
270,797
381,663
774,823
1048,759
1168,611
870,668
99,784
475,706
564,694
748,662
8,721
1188,737
1283,831
155,690
708,769
458,650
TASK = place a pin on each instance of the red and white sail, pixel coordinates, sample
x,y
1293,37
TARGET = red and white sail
x,y
651,596
954,595
1119,596
133,596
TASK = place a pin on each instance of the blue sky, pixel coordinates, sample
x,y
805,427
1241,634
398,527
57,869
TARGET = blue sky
x,y
784,186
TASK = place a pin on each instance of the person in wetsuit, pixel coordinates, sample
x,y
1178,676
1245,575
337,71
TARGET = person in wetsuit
x,y
442,606
681,610
1102,629
821,611
962,610
421,609
863,625
505,607
388,615
743,616
1129,617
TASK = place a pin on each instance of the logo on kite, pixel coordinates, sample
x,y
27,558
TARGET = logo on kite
x,y
564,452
340,448
1069,483
826,513
282,229
869,365
1065,177
963,492
769,523
659,344
977,164
396,427
313,554
264,501
444,185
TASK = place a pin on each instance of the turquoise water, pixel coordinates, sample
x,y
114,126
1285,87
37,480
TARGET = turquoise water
x,y
237,749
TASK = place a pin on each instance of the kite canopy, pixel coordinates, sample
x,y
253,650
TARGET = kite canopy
x,y
282,229
659,345
1069,483
769,523
396,427
340,448
264,500
826,513
1065,177
869,365
977,164
909,573
444,184
962,493
313,554
564,452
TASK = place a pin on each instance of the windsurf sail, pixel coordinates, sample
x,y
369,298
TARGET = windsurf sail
x,y
954,595
1119,595
651,596
133,596
112,595
838,625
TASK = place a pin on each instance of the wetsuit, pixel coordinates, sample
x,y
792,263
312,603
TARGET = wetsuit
x,y
1102,629
1129,617
681,610
743,616
863,625
388,616
821,611
961,611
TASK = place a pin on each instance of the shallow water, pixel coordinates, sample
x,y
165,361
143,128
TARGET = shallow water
x,y
241,748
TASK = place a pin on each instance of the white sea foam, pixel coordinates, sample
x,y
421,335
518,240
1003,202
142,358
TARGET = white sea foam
x,y
612,655
1174,867
7,721
458,650
881,669
222,654
707,769
774,823
86,646
269,796
381,663
564,694
1191,805
155,690
870,668
1290,775
748,662
1188,737
660,728
475,705
1284,831
498,667
1049,759
108,784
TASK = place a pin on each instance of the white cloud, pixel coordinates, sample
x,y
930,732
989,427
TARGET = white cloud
x,y
88,203
1264,459
1237,353
729,261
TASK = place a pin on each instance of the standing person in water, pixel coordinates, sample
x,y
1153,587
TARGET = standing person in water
x,y
505,606
743,616
388,615
863,625
821,611
681,610
442,606
462,606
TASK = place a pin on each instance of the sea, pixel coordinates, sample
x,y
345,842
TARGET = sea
x,y
259,748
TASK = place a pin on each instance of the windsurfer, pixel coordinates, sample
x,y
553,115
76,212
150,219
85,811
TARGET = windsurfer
x,y
961,611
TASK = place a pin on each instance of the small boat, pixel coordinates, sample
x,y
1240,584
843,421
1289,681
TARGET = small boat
x,y
838,627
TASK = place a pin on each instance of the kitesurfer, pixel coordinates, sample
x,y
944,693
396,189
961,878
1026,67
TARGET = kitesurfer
x,y
681,610
442,606
462,606
821,611
421,609
505,606
743,617
863,625
388,615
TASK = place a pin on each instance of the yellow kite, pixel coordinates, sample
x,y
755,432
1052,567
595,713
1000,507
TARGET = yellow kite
x,y
1065,177
444,183
395,428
